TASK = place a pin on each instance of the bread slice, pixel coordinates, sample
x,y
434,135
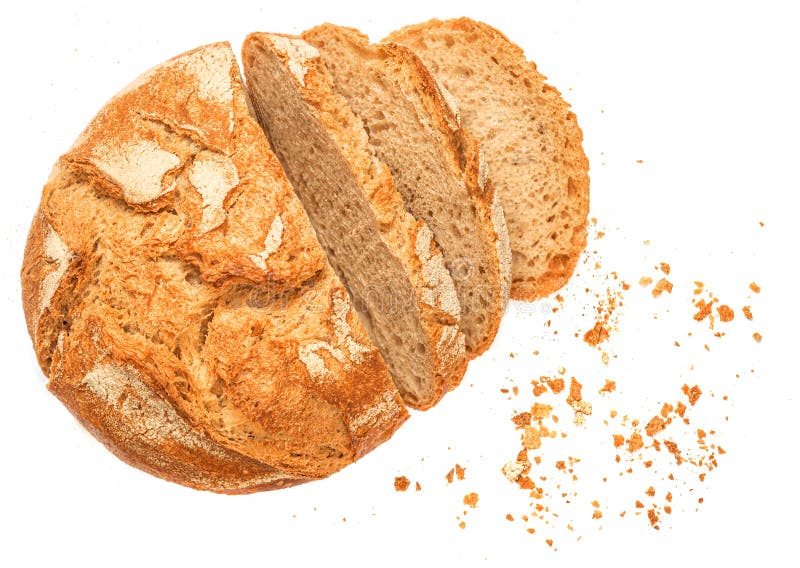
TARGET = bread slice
x,y
180,303
532,141
394,272
436,165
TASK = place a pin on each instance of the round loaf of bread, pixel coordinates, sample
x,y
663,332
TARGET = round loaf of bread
x,y
180,304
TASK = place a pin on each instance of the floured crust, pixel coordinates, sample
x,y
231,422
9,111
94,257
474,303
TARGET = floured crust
x,y
438,106
407,239
162,292
529,282
140,427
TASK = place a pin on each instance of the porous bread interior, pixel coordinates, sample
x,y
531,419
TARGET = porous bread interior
x,y
532,143
433,189
343,220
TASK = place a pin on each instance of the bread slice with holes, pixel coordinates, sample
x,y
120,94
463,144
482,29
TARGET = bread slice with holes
x,y
532,141
180,304
387,259
437,167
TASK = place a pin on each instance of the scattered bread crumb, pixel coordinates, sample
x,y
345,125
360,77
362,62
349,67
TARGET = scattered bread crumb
x,y
725,313
471,500
661,286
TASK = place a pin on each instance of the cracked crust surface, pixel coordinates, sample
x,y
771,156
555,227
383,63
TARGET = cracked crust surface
x,y
171,280
388,259
532,141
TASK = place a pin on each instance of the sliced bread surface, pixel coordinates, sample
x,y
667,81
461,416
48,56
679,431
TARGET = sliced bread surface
x,y
180,304
437,167
532,141
386,258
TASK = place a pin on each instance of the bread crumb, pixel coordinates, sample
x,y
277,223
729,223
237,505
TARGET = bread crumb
x,y
665,268
610,386
574,391
401,483
597,334
635,442
755,287
540,411
651,514
703,309
522,419
460,472
513,470
656,425
757,337
532,438
748,314
645,281
725,313
692,393
471,500
556,385
661,286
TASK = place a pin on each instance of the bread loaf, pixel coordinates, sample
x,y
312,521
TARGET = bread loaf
x,y
388,260
437,167
532,141
180,304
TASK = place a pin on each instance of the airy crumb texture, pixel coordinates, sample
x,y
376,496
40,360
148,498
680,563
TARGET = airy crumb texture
x,y
388,260
532,141
436,165
166,284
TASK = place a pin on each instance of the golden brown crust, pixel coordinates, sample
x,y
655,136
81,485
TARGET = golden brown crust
x,y
171,266
34,269
561,264
139,426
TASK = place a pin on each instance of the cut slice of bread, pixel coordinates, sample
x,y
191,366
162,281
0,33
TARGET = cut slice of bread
x,y
394,272
436,165
180,303
532,141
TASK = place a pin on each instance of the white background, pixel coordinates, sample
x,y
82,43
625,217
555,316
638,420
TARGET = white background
x,y
705,94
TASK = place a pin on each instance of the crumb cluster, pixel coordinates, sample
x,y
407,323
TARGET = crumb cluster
x,y
672,447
